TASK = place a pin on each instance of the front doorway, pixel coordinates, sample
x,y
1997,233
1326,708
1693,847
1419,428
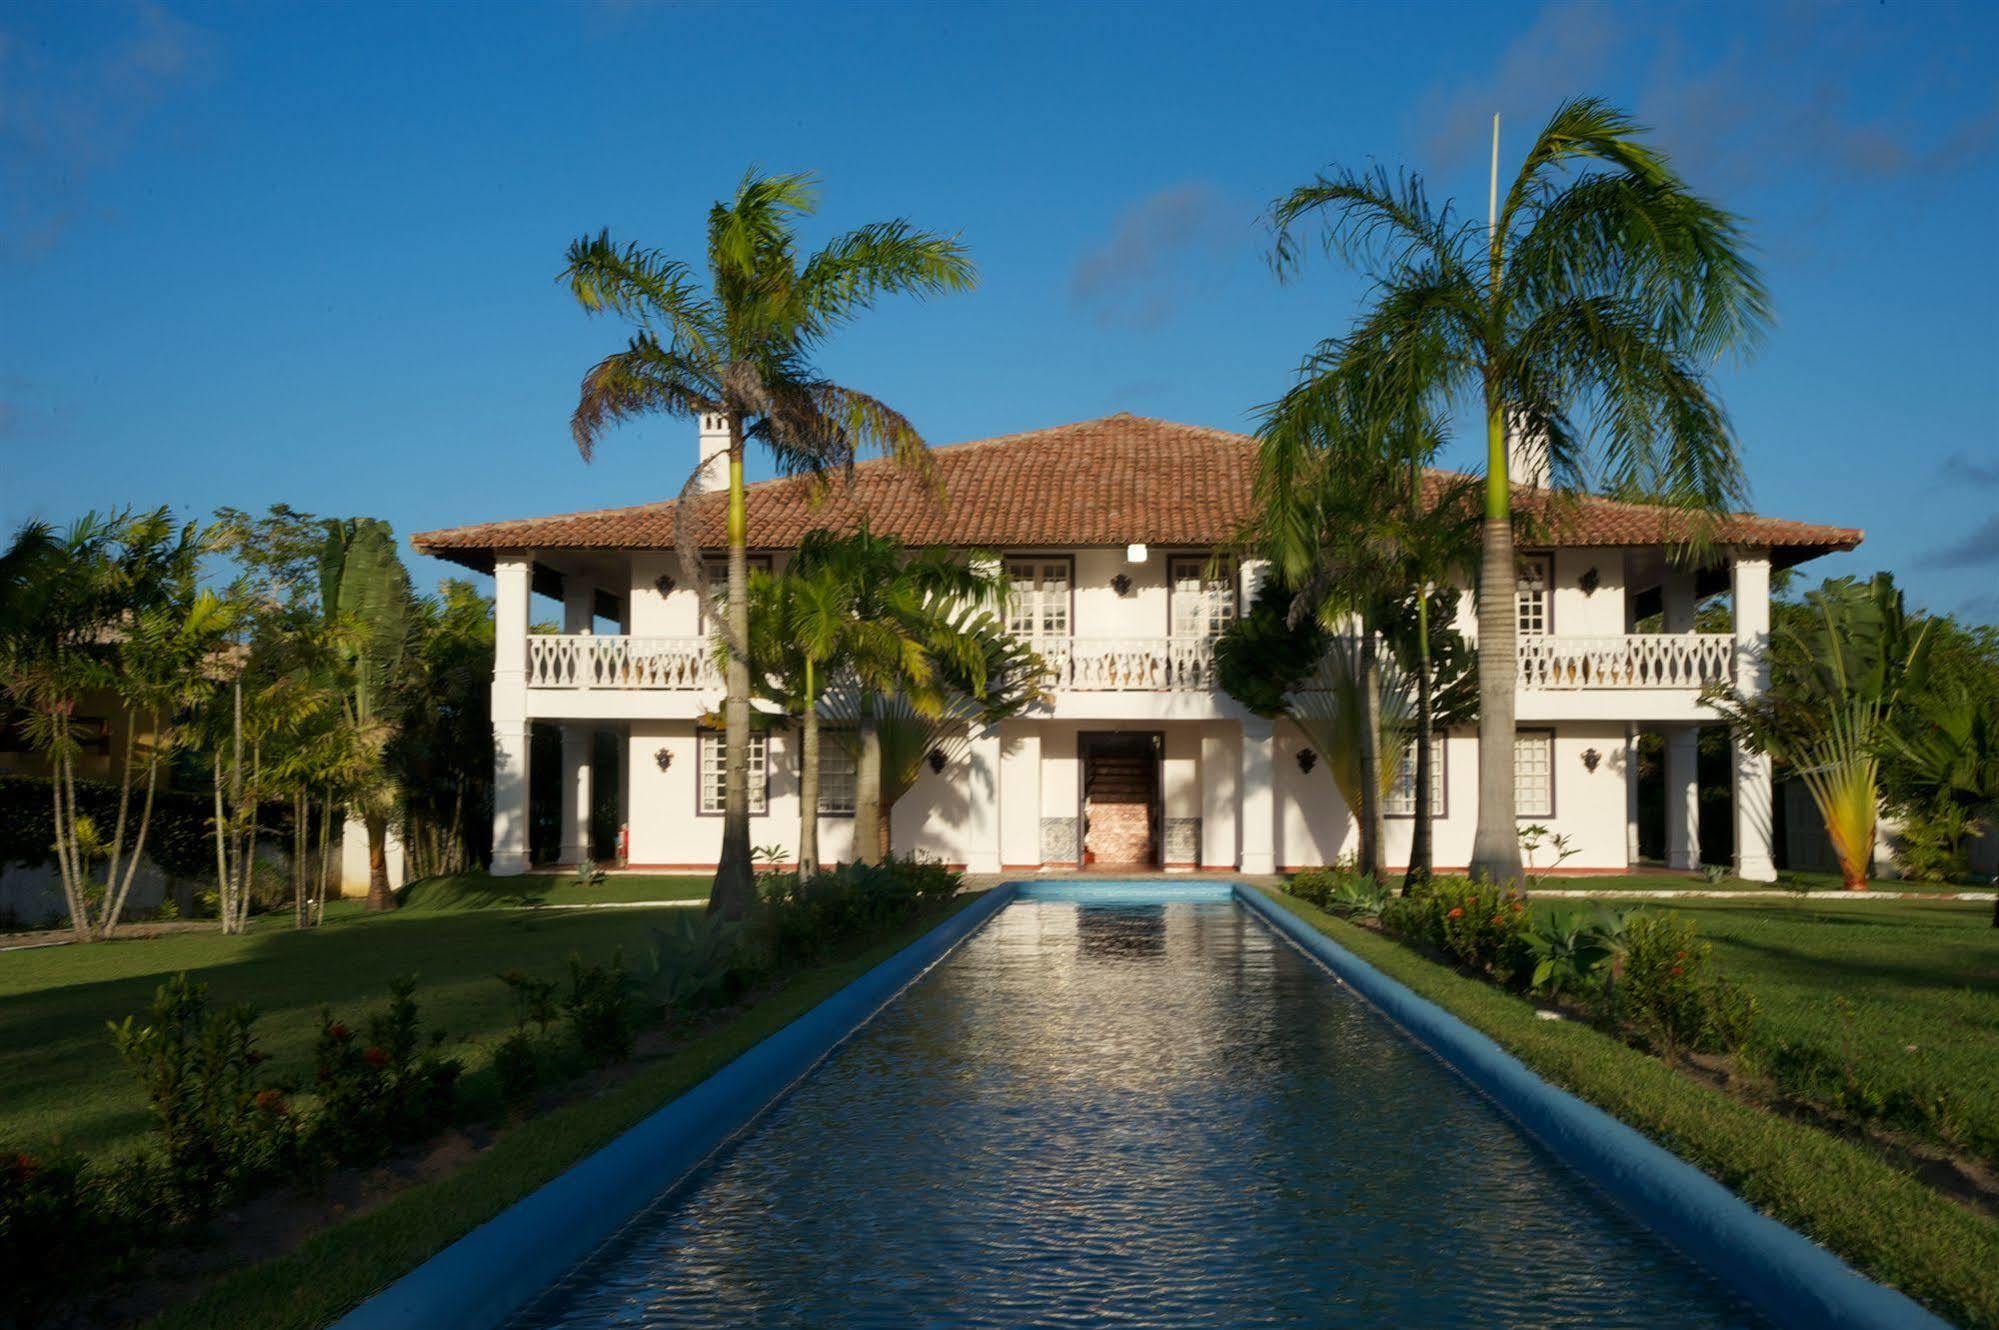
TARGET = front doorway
x,y
1121,808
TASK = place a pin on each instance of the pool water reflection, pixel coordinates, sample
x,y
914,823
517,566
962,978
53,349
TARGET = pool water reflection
x,y
1134,1115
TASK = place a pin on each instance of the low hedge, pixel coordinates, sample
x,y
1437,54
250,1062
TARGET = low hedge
x,y
1882,1221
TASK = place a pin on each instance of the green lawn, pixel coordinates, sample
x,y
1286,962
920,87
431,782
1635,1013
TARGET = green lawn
x,y
1837,1192
1789,884
1889,1009
478,891
60,1076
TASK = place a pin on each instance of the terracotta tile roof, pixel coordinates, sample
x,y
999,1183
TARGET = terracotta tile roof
x,y
1114,481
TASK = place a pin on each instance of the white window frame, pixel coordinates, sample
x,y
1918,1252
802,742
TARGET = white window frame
x,y
1207,607
1525,743
1534,596
709,793
716,570
1401,800
839,768
1041,602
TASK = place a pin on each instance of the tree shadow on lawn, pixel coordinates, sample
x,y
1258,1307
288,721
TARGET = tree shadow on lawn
x,y
64,1075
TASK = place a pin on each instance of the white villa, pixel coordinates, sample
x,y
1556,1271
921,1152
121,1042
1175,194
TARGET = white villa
x,y
1106,528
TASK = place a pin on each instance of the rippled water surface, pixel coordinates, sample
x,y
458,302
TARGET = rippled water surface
x,y
1134,1116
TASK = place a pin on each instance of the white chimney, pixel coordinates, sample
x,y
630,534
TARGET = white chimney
x,y
1526,457
714,451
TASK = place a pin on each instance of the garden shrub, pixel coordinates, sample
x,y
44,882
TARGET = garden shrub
x,y
1314,886
58,1221
1671,994
219,1132
603,1008
381,1092
1478,924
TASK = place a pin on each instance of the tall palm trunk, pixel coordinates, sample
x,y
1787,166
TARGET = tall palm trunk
x,y
868,813
380,895
1421,831
808,780
1495,849
735,884
1372,860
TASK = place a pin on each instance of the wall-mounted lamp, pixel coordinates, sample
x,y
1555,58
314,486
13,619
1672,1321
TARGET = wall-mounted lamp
x,y
936,759
1589,581
664,757
1122,585
1591,758
1307,759
665,583
1135,553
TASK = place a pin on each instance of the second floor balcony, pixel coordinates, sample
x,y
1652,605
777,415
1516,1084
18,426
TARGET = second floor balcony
x,y
1650,662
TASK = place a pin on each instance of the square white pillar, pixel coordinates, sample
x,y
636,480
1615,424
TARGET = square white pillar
x,y
1683,797
1631,733
1221,790
1750,772
511,576
579,605
578,745
1259,796
1020,800
983,803
510,798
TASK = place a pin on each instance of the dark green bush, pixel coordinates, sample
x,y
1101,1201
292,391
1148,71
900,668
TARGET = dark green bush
x,y
602,1007
379,1092
1478,924
1672,995
220,1134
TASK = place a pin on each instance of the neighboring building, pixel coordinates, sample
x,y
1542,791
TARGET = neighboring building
x,y
1106,528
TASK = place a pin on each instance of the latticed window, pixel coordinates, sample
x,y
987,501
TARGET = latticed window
x,y
1534,773
1040,597
1532,594
1401,800
717,573
712,764
1203,603
837,772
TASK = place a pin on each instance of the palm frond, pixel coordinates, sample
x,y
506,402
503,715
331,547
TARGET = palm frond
x,y
642,379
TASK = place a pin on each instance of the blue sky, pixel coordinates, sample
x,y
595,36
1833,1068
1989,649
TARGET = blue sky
x,y
253,253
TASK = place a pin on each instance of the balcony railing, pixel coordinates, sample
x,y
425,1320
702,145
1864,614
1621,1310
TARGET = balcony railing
x,y
1150,664
1135,664
1635,660
581,660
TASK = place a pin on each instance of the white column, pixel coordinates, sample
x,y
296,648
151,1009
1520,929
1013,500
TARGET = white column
x,y
1221,789
578,743
1020,800
579,604
1683,797
982,816
1677,603
1259,797
1631,796
1751,771
511,573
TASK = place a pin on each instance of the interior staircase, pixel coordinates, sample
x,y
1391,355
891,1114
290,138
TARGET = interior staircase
x,y
1119,794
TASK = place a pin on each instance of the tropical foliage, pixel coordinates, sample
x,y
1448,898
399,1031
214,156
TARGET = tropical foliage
x,y
741,351
1581,318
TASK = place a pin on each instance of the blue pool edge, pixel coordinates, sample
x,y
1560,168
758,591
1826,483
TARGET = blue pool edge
x,y
492,1272
1786,1275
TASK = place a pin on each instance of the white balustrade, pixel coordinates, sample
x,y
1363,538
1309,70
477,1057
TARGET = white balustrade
x,y
583,660
1149,664
1635,660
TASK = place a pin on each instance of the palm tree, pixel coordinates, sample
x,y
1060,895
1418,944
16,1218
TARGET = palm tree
x,y
1582,317
742,351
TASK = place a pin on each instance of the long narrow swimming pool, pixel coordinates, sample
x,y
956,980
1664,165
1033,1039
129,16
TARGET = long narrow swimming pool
x,y
1102,1110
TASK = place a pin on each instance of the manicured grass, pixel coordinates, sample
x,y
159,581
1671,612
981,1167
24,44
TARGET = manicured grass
x,y
59,1075
479,891
1793,884
337,1268
1890,1011
1841,1194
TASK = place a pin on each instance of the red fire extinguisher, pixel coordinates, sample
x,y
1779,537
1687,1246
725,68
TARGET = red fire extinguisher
x,y
624,844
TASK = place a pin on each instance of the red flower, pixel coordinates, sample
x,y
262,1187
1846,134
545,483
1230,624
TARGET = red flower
x,y
374,1057
272,1101
1457,912
1499,920
25,1167
1679,970
338,1033
1517,906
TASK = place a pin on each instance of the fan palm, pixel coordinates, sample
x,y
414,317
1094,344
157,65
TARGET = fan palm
x,y
1581,317
742,350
